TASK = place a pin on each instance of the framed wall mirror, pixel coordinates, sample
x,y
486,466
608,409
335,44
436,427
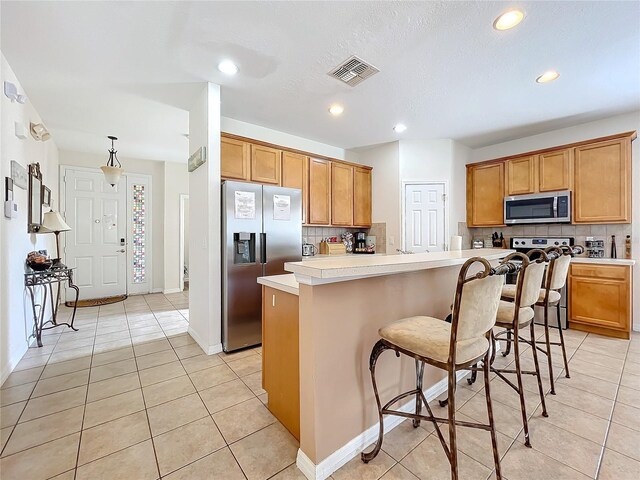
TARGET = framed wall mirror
x,y
34,216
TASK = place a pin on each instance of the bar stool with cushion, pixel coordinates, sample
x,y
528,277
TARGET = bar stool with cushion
x,y
555,280
451,347
515,316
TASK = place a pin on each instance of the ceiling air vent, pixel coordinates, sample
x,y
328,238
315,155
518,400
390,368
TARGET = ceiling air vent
x,y
353,71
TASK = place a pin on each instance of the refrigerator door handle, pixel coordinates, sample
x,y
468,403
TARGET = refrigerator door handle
x,y
263,248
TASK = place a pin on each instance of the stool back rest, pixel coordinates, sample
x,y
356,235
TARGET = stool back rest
x,y
476,302
559,271
530,283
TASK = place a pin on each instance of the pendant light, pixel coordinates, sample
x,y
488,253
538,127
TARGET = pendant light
x,y
113,169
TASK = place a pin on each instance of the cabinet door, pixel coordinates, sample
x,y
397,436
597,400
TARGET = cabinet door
x,y
319,191
234,159
521,175
265,164
554,170
485,195
602,182
600,299
295,175
341,194
362,197
280,356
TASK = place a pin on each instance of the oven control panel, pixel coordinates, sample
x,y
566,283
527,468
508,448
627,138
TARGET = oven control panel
x,y
540,242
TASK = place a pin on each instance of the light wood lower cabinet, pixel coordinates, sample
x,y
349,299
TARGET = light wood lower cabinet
x,y
295,174
362,197
485,195
234,159
265,165
600,299
280,357
341,194
602,182
319,191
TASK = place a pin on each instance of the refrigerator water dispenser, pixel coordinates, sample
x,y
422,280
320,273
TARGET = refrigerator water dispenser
x,y
245,247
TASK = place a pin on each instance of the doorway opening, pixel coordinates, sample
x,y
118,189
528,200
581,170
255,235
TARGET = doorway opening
x,y
424,223
184,242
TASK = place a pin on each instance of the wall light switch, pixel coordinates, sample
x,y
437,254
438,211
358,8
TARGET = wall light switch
x,y
392,240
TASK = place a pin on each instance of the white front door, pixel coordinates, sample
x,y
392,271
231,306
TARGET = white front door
x,y
424,218
96,244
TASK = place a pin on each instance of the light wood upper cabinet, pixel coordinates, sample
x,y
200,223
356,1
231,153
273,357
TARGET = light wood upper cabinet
x,y
265,164
319,191
362,197
234,159
602,182
600,299
555,170
341,194
294,172
522,175
485,195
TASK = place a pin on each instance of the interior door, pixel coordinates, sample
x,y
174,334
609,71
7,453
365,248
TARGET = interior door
x,y
424,218
96,213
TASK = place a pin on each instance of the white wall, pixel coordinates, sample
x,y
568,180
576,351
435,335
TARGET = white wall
x,y
16,322
176,182
385,188
586,131
146,167
205,290
256,132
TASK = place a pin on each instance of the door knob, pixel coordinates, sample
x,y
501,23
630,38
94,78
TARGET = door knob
x,y
122,251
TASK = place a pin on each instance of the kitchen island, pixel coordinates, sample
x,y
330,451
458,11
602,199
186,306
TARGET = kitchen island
x,y
342,302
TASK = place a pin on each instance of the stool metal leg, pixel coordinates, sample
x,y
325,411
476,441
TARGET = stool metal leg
x,y
507,350
494,439
419,377
453,444
564,350
548,342
523,408
537,366
378,348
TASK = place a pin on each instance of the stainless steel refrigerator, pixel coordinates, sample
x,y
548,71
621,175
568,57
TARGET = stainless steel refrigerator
x,y
261,230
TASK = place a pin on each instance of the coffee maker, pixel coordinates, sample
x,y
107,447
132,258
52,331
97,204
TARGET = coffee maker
x,y
360,242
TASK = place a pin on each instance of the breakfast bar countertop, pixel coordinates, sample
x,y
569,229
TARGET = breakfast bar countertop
x,y
286,283
604,261
330,270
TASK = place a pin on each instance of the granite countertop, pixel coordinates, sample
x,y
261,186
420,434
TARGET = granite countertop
x,y
335,269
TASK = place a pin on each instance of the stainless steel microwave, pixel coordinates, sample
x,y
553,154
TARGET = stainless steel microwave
x,y
548,207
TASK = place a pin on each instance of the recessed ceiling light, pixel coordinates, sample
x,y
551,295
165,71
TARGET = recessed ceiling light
x,y
548,76
336,109
508,20
399,128
228,67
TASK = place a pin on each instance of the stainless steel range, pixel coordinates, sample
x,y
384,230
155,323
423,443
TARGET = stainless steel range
x,y
523,245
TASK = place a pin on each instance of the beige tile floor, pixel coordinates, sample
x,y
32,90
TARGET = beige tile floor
x,y
132,396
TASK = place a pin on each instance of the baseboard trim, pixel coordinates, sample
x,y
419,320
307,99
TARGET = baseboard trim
x,y
10,367
208,349
171,290
341,456
156,290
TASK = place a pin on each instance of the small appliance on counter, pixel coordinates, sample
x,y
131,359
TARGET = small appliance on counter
x,y
308,250
360,243
594,247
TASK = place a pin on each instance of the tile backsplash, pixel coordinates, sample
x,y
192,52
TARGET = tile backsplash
x,y
314,235
578,232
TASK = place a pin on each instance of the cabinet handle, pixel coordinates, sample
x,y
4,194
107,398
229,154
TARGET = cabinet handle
x,y
273,300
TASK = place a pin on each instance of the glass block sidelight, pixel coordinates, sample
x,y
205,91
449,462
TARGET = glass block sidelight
x,y
138,225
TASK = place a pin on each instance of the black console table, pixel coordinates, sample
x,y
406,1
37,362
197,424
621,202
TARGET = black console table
x,y
46,279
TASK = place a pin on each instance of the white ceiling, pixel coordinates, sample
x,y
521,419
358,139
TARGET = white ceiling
x,y
130,69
